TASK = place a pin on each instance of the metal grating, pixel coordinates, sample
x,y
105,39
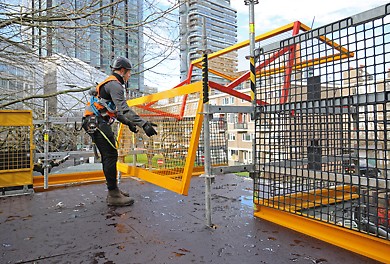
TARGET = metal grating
x,y
169,158
166,153
15,152
14,148
218,143
322,136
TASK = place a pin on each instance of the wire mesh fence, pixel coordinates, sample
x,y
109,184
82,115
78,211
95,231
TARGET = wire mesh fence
x,y
16,148
169,158
322,136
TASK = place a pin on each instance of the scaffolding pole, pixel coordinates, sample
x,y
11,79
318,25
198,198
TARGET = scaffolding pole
x,y
206,128
46,146
252,60
251,4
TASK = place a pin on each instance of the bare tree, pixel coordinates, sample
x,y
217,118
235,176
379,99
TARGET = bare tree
x,y
31,32
38,37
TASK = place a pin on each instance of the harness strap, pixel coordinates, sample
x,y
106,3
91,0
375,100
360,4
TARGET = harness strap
x,y
93,107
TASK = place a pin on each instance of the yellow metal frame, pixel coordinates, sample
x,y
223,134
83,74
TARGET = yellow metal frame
x,y
303,200
69,178
358,242
18,177
344,53
169,182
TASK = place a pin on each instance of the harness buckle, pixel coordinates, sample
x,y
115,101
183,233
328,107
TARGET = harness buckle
x,y
90,124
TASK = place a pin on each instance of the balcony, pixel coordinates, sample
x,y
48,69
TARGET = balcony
x,y
241,127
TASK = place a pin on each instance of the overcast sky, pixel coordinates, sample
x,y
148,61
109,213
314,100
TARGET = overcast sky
x,y
271,14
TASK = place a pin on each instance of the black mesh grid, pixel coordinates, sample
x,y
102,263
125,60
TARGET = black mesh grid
x,y
166,152
218,143
322,137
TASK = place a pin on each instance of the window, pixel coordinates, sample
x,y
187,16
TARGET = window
x,y
231,118
228,100
233,152
244,117
246,137
275,94
232,155
231,137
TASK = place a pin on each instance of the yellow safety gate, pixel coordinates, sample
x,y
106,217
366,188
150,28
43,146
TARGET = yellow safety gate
x,y
170,158
16,148
322,156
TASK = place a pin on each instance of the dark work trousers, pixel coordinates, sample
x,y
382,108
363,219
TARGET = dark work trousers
x,y
108,153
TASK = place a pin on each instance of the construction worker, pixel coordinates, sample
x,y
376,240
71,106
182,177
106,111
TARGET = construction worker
x,y
107,104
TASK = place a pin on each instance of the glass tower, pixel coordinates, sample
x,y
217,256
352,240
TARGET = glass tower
x,y
99,38
221,31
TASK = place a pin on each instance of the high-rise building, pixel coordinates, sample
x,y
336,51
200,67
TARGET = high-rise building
x,y
98,38
221,31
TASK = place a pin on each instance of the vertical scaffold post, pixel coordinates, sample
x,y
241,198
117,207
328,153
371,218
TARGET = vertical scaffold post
x,y
206,127
251,4
46,147
252,60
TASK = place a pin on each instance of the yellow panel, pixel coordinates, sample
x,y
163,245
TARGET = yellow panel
x,y
365,245
16,178
178,157
15,118
182,90
16,165
63,179
164,182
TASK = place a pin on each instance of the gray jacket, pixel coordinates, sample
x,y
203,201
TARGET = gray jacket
x,y
113,91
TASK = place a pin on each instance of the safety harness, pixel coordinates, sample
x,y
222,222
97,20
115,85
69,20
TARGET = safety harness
x,y
99,109
99,106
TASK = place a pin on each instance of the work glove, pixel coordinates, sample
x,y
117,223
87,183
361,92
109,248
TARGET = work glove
x,y
148,128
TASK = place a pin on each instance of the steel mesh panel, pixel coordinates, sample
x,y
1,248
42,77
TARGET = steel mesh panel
x,y
169,152
14,147
166,151
218,143
321,138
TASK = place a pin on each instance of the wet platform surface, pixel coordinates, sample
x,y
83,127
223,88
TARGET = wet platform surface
x,y
74,225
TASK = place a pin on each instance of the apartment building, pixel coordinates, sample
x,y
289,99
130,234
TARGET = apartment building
x,y
239,128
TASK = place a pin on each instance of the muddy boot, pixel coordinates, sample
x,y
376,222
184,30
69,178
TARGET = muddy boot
x,y
116,198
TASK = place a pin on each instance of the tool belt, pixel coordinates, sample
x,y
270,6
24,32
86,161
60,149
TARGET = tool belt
x,y
90,124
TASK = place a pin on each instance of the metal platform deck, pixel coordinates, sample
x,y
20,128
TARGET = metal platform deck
x,y
74,225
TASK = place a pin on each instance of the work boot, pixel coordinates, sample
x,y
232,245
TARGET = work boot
x,y
125,193
116,198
